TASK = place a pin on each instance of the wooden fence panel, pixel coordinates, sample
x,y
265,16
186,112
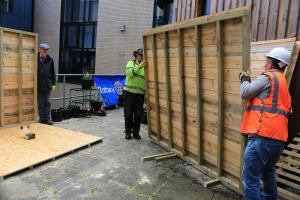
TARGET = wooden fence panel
x,y
18,56
193,90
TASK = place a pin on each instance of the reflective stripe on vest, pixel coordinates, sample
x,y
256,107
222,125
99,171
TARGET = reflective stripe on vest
x,y
269,117
274,108
135,88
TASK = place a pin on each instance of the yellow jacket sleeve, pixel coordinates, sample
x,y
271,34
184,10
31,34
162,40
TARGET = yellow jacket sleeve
x,y
132,68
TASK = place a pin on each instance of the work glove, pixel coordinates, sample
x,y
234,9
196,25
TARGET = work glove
x,y
53,87
244,77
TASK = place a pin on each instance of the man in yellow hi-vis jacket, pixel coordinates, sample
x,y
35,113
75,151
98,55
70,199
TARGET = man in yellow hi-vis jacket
x,y
134,94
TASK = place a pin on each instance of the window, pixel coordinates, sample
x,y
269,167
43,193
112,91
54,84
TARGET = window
x,y
6,6
163,10
78,37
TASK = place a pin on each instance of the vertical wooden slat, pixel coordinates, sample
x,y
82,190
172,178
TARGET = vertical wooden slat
x,y
213,6
147,87
249,3
35,105
199,94
220,5
273,17
193,8
184,7
168,89
255,17
1,80
182,90
241,3
220,63
154,57
293,18
246,64
20,78
263,20
179,11
284,19
175,11
227,4
189,9
234,4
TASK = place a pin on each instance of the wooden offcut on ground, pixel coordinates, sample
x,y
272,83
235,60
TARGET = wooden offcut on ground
x,y
51,142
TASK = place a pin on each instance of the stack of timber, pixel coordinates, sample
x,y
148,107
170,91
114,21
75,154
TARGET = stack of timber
x,y
288,171
194,107
18,51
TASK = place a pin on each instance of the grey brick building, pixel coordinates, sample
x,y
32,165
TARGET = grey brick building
x,y
96,34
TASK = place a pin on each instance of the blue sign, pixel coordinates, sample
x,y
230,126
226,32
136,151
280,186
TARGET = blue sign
x,y
110,87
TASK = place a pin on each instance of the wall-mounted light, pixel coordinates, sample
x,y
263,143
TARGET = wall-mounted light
x,y
122,28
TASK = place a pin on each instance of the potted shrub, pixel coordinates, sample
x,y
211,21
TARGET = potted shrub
x,y
67,114
57,115
75,110
96,104
87,80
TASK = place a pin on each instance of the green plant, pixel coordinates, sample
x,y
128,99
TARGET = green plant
x,y
86,75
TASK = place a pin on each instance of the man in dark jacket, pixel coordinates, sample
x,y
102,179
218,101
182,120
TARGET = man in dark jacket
x,y
46,83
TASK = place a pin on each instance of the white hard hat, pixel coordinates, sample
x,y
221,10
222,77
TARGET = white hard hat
x,y
281,54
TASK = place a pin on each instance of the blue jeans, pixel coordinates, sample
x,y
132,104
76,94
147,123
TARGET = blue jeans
x,y
261,155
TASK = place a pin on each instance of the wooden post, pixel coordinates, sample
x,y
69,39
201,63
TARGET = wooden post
x,y
168,89
156,87
220,61
20,78
1,80
199,94
246,64
35,79
182,89
147,87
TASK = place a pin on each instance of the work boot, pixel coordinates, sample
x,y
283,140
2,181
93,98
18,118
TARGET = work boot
x,y
48,122
136,136
41,121
127,136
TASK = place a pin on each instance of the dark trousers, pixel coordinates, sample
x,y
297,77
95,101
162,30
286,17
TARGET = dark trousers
x,y
44,105
133,112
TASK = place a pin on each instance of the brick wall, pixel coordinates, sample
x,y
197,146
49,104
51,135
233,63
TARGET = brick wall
x,y
114,47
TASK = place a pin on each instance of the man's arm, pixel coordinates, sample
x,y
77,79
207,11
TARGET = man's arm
x,y
53,75
132,69
249,90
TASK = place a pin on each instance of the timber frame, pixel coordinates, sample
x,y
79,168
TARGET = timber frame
x,y
18,77
152,40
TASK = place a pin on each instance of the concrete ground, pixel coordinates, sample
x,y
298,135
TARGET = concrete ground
x,y
111,170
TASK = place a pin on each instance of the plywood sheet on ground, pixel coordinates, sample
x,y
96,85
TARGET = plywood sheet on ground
x,y
50,142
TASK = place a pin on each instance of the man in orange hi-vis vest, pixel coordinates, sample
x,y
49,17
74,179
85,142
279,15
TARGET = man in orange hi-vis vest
x,y
266,124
